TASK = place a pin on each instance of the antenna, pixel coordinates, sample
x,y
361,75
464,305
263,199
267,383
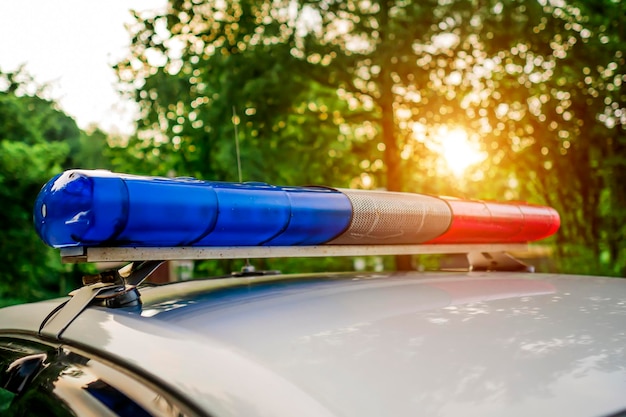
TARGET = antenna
x,y
236,124
248,267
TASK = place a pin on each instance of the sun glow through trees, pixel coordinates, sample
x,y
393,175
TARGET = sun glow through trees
x,y
458,152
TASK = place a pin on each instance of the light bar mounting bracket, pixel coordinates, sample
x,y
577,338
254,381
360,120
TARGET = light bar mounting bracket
x,y
115,288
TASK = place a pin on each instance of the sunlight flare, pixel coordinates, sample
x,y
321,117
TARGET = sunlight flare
x,y
457,150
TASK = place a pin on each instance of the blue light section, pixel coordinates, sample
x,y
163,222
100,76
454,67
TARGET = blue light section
x,y
99,208
244,208
167,212
67,197
318,214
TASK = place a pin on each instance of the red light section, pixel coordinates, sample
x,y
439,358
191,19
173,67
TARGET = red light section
x,y
486,222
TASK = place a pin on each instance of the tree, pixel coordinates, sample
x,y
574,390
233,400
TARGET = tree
x,y
229,81
543,107
392,73
35,143
555,119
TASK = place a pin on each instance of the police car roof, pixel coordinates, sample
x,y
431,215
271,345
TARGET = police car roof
x,y
365,344
401,344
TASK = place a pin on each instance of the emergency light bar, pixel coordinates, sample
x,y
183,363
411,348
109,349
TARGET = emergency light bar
x,y
81,208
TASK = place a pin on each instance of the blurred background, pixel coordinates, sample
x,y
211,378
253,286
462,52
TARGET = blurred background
x,y
485,99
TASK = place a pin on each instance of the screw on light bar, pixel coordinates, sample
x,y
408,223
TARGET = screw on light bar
x,y
81,208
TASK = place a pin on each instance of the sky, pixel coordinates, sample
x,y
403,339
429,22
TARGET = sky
x,y
72,45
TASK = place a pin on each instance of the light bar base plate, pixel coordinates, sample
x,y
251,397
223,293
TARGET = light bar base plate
x,y
128,254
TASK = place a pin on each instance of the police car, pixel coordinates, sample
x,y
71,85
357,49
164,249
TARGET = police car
x,y
495,340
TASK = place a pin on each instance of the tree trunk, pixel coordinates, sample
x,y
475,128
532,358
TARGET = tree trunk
x,y
388,128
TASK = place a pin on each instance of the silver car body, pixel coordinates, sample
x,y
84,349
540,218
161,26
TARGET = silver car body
x,y
400,344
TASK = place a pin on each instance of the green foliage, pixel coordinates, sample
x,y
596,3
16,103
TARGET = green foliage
x,y
36,141
560,101
92,151
355,92
192,104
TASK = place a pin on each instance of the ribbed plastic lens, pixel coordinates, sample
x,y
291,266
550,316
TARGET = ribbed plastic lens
x,y
95,208
67,198
100,208
539,222
318,215
485,222
165,212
